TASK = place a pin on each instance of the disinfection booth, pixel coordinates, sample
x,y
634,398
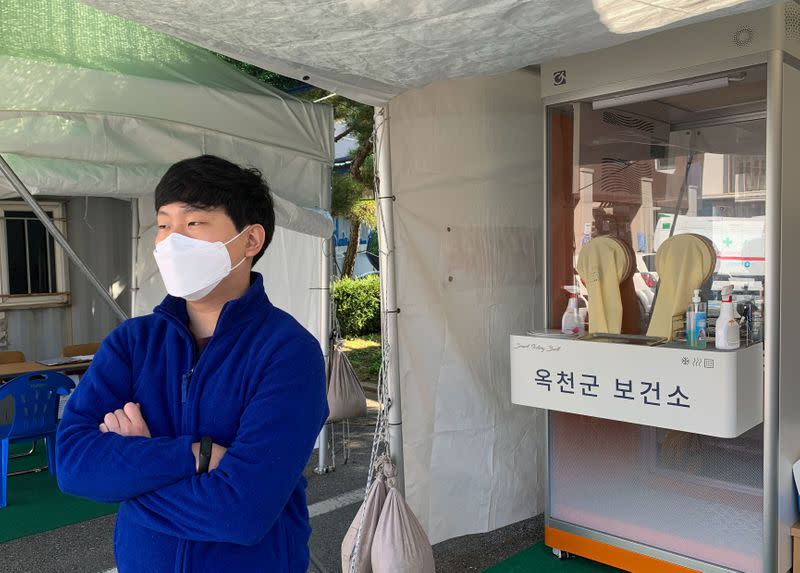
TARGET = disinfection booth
x,y
663,456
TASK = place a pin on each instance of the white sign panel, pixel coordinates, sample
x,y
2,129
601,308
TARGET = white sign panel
x,y
715,393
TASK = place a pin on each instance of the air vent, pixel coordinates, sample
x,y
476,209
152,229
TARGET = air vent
x,y
620,178
638,169
614,118
792,21
744,36
614,161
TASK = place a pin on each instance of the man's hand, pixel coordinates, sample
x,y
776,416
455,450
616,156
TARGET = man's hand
x,y
127,421
217,453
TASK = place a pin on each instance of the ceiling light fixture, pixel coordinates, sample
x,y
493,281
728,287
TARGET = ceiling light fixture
x,y
660,93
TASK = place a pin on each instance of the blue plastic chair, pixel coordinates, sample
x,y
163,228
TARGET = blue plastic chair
x,y
28,412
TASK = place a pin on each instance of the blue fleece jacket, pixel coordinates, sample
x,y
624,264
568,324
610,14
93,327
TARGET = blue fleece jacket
x,y
258,389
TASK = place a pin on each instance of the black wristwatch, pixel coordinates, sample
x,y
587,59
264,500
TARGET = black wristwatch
x,y
205,454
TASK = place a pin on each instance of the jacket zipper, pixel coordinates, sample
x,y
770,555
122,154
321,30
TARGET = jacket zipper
x,y
187,379
185,385
184,550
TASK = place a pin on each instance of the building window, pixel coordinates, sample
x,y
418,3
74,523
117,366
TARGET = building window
x,y
748,175
33,270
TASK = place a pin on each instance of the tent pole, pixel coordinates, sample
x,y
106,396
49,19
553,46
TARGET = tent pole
x,y
389,312
134,252
324,463
5,168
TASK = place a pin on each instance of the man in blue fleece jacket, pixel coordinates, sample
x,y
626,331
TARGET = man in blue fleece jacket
x,y
199,418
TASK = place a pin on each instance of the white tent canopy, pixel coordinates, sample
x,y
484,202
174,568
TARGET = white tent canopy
x,y
95,105
373,51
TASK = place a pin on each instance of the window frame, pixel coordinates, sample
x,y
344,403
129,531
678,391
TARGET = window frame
x,y
44,300
747,164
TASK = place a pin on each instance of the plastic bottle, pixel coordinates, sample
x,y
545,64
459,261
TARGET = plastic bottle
x,y
697,322
727,331
571,322
758,324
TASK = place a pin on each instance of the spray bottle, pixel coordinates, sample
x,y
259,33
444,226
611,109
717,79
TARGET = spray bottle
x,y
571,322
727,332
697,322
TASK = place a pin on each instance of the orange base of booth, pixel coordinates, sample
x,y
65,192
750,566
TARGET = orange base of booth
x,y
608,554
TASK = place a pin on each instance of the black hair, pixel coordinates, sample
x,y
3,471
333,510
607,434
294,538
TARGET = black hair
x,y
208,182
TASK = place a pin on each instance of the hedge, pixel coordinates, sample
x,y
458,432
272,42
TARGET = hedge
x,y
358,305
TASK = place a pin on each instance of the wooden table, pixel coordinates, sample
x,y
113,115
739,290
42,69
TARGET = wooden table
x,y
16,368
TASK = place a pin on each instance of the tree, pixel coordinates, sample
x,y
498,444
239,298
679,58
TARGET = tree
x,y
353,192
351,200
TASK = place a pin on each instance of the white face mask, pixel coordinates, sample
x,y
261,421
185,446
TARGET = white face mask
x,y
192,268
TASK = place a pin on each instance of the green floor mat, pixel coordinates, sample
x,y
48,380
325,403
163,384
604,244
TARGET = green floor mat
x,y
35,504
540,558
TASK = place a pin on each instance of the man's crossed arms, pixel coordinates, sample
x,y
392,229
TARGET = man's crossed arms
x,y
128,421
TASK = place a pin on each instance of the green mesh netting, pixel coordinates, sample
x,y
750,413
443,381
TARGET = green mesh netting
x,y
66,32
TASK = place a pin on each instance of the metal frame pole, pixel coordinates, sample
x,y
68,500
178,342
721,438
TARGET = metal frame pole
x,y
772,313
324,463
19,186
134,253
385,206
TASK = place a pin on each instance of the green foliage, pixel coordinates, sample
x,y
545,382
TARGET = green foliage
x,y
350,200
364,354
358,117
346,193
364,211
374,362
372,244
367,171
275,80
358,304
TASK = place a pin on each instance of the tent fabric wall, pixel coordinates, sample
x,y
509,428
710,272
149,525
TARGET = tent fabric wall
x,y
93,221
467,174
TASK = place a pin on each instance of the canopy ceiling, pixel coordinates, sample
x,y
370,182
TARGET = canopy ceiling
x,y
371,50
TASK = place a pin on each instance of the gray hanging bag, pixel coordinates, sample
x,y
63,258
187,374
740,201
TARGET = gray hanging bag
x,y
346,398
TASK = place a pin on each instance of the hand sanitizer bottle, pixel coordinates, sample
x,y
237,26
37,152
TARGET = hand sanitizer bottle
x,y
697,322
726,336
571,322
